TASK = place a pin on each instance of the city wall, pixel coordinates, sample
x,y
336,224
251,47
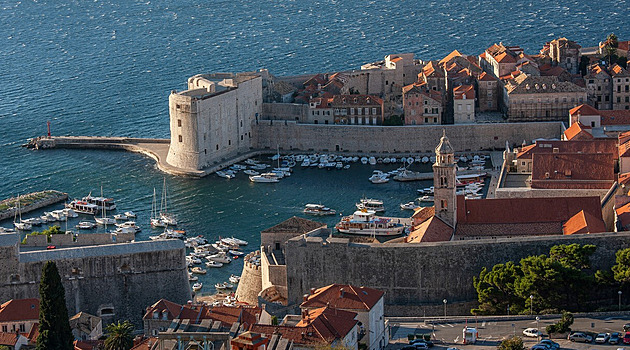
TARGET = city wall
x,y
69,240
289,135
417,277
116,281
285,111
251,280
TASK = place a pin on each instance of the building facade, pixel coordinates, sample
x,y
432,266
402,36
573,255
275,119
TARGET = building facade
x,y
464,104
421,105
357,109
620,88
599,87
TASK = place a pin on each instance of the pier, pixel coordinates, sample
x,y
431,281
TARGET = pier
x,y
30,202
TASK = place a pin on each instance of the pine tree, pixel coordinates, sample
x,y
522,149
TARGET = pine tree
x,y
54,327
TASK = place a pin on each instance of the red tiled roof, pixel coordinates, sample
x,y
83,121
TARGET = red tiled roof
x,y
34,333
429,69
361,100
624,178
432,230
524,210
144,344
8,338
504,57
396,59
573,170
623,45
601,145
578,131
422,214
583,109
319,326
464,90
615,117
486,77
352,297
624,137
19,310
227,315
623,215
624,149
583,222
618,70
449,57
90,344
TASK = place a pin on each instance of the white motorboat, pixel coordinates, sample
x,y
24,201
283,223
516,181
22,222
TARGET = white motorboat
x,y
60,215
86,225
130,214
234,241
409,206
265,178
364,160
168,219
197,286
318,209
365,222
379,179
43,219
223,285
198,270
236,252
370,204
346,167
192,278
385,160
250,161
130,226
70,213
213,264
234,279
225,174
305,163
33,221
426,198
120,217
251,172
105,221
220,257
372,161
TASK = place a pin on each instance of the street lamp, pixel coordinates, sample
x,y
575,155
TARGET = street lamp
x,y
619,292
537,330
444,301
531,304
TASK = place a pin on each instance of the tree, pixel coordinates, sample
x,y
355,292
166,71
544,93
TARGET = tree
x,y
120,336
54,327
610,48
573,255
562,326
513,343
621,270
495,290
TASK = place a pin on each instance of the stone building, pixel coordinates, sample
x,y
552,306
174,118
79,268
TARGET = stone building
x,y
433,75
212,119
421,105
566,54
620,88
464,104
487,92
320,111
533,98
19,315
500,59
133,274
599,87
86,327
357,109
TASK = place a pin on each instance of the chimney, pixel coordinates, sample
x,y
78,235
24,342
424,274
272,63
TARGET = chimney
x,y
304,314
312,291
341,292
305,297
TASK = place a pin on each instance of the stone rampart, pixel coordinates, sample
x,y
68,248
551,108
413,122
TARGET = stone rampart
x,y
417,277
68,240
289,135
116,281
285,111
250,284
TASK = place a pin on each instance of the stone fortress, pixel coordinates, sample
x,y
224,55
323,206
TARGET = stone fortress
x,y
133,274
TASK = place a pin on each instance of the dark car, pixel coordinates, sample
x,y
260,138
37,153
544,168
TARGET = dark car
x,y
614,338
408,347
539,347
550,344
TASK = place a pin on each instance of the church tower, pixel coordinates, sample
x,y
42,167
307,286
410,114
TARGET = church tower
x,y
444,182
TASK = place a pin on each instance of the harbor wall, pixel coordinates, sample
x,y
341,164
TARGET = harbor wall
x,y
135,275
417,277
68,240
52,198
412,139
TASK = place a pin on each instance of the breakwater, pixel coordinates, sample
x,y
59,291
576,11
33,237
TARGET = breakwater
x,y
30,202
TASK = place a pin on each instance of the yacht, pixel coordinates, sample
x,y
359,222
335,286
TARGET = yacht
x,y
225,174
101,202
365,222
265,177
212,263
220,257
318,209
198,270
234,241
236,252
408,206
371,204
130,214
83,207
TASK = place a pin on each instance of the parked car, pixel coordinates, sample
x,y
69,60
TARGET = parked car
x,y
580,337
539,347
550,343
602,338
428,343
626,338
421,346
531,332
408,347
614,338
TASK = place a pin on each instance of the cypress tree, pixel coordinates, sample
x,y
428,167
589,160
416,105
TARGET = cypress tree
x,y
54,327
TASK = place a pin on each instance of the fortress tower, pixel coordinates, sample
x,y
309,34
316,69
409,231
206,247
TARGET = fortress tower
x,y
444,181
212,119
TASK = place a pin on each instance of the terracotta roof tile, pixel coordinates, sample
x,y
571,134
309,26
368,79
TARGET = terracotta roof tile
x,y
486,77
226,314
583,109
432,230
422,214
624,149
573,170
583,222
19,310
8,338
354,298
578,131
449,57
615,117
600,145
624,178
623,215
464,92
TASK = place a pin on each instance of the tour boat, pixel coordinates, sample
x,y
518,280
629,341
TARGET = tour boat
x,y
197,286
104,220
83,207
408,206
214,264
371,204
365,222
265,177
101,202
318,209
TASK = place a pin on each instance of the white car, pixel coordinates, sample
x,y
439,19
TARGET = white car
x,y
531,332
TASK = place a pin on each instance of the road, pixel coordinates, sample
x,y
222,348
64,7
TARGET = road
x,y
491,333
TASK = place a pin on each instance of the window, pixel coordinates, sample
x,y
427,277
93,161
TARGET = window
x,y
217,147
426,120
426,102
435,120
178,106
229,142
326,121
315,121
180,138
4,329
374,111
22,328
179,122
468,107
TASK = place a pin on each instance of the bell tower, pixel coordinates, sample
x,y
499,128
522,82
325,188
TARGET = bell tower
x,y
444,181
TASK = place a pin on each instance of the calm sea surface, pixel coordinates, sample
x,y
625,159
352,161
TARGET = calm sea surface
x,y
106,68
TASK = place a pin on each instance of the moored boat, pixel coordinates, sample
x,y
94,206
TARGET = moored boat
x,y
83,207
197,286
318,209
408,206
265,177
365,222
371,204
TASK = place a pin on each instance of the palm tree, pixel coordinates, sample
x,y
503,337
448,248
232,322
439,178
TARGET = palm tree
x,y
120,337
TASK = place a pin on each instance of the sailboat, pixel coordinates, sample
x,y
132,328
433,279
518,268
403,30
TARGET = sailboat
x,y
104,220
21,225
156,221
165,216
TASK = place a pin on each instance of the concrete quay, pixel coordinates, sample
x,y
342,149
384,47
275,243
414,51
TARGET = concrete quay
x,y
8,207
